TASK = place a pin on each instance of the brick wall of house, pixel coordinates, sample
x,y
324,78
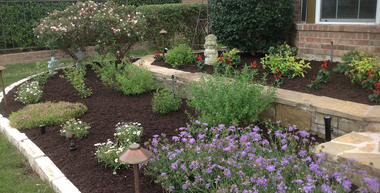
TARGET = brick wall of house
x,y
297,10
315,39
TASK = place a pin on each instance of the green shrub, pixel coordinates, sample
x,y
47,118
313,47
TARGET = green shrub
x,y
174,18
283,49
79,128
134,80
286,66
347,58
76,77
42,73
180,55
361,65
48,113
227,60
29,93
217,99
164,101
250,25
152,2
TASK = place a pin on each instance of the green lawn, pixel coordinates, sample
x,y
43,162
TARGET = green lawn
x,y
15,173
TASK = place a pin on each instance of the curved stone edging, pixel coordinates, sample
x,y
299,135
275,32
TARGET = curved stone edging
x,y
40,163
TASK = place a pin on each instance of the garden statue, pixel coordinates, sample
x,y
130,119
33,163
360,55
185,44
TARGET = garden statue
x,y
51,66
210,49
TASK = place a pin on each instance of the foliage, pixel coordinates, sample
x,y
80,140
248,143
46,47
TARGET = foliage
x,y
217,99
125,76
227,60
285,66
109,153
29,93
127,133
375,96
48,113
283,49
200,62
180,55
152,2
174,18
254,71
361,65
245,159
112,27
117,28
157,56
76,77
250,25
164,101
347,58
79,128
369,83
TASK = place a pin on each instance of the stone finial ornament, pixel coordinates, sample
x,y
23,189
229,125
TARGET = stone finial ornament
x,y
210,48
52,66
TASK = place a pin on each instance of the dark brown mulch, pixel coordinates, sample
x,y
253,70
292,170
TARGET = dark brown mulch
x,y
338,86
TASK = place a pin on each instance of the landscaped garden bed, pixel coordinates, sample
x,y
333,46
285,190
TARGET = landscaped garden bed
x,y
339,86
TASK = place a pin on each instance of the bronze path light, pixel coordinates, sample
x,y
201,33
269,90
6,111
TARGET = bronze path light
x,y
135,155
163,32
70,135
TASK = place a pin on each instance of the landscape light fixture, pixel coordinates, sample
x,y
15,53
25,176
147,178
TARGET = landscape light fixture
x,y
328,128
135,155
2,84
70,135
42,129
163,32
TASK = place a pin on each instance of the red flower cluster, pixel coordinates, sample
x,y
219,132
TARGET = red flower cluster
x,y
229,60
221,58
278,46
254,64
200,58
377,85
324,66
369,73
156,54
276,75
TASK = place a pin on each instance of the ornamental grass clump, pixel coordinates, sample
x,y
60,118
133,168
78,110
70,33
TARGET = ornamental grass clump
x,y
164,101
247,160
29,93
79,128
109,152
219,99
48,113
76,77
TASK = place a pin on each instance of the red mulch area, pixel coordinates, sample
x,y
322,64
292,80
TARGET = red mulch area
x,y
338,86
106,107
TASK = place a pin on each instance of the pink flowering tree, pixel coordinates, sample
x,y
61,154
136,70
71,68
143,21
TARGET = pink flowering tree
x,y
112,27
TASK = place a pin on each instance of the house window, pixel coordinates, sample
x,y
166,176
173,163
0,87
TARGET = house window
x,y
348,10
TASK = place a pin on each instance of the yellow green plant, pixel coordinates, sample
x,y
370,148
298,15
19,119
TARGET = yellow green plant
x,y
286,66
48,113
361,66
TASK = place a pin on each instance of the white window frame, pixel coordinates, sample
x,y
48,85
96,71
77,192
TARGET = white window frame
x,y
318,16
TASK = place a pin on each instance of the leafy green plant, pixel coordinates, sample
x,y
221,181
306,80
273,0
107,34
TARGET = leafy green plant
x,y
375,96
48,113
76,77
227,60
79,128
253,70
283,49
200,62
360,67
43,73
29,93
250,25
277,77
109,153
369,83
164,101
347,58
174,18
217,99
127,133
323,76
286,66
180,55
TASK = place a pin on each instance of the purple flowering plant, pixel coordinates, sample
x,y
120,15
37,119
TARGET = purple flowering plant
x,y
246,161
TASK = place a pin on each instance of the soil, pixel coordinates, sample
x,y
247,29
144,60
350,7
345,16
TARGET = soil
x,y
106,107
338,86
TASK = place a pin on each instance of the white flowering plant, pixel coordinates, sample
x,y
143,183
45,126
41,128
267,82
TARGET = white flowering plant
x,y
29,93
127,133
109,152
79,128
